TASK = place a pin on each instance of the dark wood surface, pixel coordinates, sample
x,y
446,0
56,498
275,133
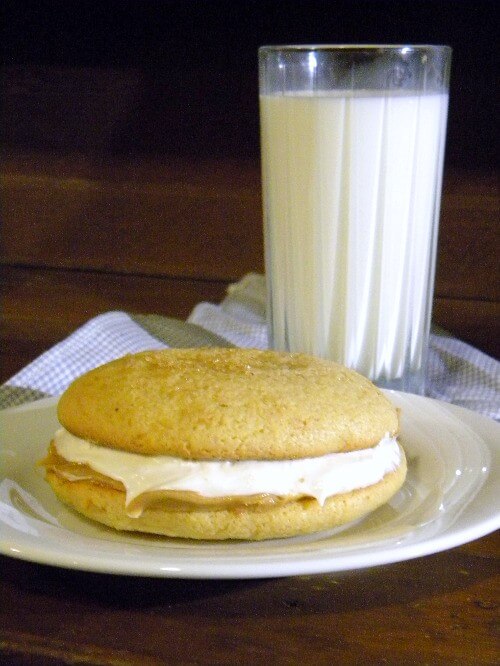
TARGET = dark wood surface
x,y
442,609
82,235
81,238
86,230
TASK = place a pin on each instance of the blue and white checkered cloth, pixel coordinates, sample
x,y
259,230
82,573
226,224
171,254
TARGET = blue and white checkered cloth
x,y
457,372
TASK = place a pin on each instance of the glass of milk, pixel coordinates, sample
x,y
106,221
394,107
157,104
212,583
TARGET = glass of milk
x,y
352,144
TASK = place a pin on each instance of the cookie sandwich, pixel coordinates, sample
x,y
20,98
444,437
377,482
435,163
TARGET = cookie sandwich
x,y
215,444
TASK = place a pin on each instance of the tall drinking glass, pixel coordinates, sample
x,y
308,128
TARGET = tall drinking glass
x,y
352,142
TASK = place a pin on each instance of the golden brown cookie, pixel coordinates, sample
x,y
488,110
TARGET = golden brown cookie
x,y
213,403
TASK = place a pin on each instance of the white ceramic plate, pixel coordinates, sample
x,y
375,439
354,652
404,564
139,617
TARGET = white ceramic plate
x,y
451,496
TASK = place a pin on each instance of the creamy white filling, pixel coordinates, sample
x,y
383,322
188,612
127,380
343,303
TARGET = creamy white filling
x,y
319,477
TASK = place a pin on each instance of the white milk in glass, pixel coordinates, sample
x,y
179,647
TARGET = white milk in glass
x,y
352,185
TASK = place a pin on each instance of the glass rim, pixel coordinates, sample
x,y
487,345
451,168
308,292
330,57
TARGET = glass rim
x,y
407,48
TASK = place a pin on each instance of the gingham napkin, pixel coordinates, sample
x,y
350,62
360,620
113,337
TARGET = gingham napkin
x,y
457,372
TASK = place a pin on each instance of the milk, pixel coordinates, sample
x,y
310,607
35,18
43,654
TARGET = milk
x,y
351,186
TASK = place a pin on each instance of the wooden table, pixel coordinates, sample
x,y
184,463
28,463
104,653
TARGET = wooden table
x,y
442,609
85,235
84,231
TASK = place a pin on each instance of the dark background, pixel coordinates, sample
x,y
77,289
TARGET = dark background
x,y
184,73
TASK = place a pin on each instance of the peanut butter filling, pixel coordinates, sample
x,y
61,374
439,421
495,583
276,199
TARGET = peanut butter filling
x,y
181,500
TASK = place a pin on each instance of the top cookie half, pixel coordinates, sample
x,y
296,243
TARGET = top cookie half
x,y
236,404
